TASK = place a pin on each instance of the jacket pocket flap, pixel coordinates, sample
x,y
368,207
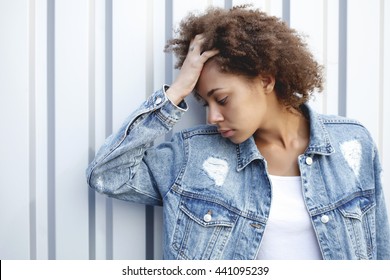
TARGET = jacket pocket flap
x,y
207,214
357,207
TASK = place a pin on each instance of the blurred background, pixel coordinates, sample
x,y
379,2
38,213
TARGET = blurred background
x,y
72,70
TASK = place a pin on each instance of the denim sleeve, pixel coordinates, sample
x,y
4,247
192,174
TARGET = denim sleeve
x,y
382,222
127,167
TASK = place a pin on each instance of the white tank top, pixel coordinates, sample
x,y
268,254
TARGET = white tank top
x,y
289,233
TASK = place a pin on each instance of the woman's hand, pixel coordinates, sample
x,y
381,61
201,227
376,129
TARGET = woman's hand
x,y
190,71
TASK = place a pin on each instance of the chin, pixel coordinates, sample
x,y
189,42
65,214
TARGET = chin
x,y
239,136
238,140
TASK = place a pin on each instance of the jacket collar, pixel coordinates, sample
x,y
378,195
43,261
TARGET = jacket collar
x,y
319,141
319,136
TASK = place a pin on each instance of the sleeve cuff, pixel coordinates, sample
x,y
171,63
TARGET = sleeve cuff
x,y
181,106
164,109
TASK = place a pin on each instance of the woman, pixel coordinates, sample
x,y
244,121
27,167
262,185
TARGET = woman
x,y
269,178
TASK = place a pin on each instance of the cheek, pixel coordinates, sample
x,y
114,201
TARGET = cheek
x,y
243,115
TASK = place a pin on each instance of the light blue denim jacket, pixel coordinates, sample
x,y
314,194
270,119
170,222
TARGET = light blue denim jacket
x,y
216,195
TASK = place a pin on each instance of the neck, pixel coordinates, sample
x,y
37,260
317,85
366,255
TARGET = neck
x,y
284,128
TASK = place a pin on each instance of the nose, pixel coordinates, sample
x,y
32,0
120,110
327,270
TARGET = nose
x,y
214,116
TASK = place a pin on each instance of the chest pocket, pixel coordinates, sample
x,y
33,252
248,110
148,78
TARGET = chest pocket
x,y
202,229
359,218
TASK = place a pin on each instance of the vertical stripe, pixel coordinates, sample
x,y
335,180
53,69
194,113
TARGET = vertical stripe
x,y
149,58
109,122
32,134
51,128
109,104
168,35
149,210
228,4
286,11
109,229
149,227
381,76
325,54
91,128
168,56
343,13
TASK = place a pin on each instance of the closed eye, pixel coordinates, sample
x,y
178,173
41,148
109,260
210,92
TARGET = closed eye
x,y
222,101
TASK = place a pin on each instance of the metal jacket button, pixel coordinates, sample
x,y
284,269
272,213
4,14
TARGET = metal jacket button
x,y
158,101
207,217
324,219
309,161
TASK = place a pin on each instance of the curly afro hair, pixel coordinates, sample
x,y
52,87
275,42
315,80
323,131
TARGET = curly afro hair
x,y
251,43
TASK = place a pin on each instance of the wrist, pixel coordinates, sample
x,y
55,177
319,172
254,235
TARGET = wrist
x,y
175,94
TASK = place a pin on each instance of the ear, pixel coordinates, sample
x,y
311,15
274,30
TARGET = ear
x,y
268,83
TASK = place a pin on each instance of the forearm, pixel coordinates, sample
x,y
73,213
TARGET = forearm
x,y
118,159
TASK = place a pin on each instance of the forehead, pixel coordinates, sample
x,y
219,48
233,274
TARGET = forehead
x,y
211,77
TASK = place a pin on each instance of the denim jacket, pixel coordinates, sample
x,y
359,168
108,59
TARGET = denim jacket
x,y
216,195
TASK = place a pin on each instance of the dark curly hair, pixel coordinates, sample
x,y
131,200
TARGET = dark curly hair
x,y
251,43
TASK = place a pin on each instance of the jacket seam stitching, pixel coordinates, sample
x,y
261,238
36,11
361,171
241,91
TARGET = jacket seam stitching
x,y
183,167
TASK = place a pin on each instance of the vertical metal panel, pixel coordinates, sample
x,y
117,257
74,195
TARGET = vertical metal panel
x,y
129,52
161,30
363,51
381,74
71,128
109,117
169,61
324,35
51,128
196,113
286,11
331,57
158,233
385,129
41,155
343,44
301,12
32,134
168,35
149,47
149,232
103,76
14,127
149,85
91,127
228,4
160,33
108,65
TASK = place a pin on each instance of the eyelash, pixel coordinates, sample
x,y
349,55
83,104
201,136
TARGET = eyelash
x,y
222,101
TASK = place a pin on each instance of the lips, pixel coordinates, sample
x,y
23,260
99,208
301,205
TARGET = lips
x,y
226,132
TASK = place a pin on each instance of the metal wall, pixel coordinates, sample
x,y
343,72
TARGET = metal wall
x,y
71,71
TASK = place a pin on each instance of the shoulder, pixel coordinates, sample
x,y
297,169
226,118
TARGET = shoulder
x,y
346,129
200,130
205,137
339,122
330,122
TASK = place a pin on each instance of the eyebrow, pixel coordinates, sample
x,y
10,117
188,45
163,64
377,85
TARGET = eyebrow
x,y
211,92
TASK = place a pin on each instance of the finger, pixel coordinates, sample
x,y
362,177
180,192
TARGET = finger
x,y
196,43
199,37
209,54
